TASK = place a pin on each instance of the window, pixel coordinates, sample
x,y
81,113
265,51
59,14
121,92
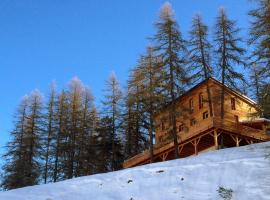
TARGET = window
x,y
192,122
205,115
160,138
236,118
162,126
233,103
191,105
181,128
200,101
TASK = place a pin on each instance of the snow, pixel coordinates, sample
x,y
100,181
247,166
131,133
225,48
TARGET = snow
x,y
244,170
256,120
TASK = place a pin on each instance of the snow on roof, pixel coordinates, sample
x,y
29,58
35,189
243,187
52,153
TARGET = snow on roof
x,y
256,120
248,98
239,93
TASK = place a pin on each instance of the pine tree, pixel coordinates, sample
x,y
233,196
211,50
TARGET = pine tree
x,y
171,49
200,52
15,164
112,110
260,35
228,53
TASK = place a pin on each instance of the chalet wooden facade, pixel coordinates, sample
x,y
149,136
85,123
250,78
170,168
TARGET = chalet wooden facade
x,y
199,131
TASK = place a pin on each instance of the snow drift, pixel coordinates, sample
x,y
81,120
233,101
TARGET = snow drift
x,y
243,172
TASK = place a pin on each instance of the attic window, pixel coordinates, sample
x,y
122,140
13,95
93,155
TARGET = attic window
x,y
233,103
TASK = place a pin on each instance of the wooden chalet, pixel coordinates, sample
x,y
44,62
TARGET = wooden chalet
x,y
198,131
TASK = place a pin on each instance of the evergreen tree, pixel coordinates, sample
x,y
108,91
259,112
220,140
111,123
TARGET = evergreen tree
x,y
14,167
228,53
171,49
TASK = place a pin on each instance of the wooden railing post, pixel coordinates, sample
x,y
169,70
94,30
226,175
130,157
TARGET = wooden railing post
x,y
216,139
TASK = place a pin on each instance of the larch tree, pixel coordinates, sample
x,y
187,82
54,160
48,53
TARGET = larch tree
x,y
257,80
228,52
170,47
113,110
103,145
136,140
265,101
200,53
260,53
74,123
14,168
50,129
59,146
147,75
260,35
84,161
33,135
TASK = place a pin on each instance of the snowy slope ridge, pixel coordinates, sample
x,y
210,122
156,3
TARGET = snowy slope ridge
x,y
244,170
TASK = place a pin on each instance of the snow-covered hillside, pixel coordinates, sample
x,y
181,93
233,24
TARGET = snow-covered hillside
x,y
245,171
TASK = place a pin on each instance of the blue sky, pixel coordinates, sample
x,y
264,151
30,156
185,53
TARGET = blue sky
x,y
42,41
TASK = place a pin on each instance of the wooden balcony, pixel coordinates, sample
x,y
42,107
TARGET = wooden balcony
x,y
240,129
196,131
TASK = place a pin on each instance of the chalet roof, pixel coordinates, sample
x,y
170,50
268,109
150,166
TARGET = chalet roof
x,y
244,97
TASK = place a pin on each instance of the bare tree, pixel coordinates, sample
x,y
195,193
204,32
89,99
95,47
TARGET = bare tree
x,y
200,52
260,35
170,47
228,53
112,109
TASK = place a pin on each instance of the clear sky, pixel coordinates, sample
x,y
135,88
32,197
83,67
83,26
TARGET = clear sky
x,y
46,40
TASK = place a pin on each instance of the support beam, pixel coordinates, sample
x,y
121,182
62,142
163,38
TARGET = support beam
x,y
195,144
249,141
180,148
164,156
236,139
216,139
